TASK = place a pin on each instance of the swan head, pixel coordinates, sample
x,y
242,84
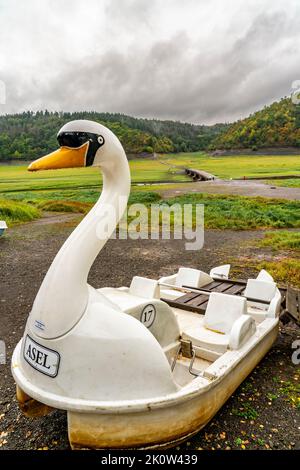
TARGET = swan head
x,y
81,143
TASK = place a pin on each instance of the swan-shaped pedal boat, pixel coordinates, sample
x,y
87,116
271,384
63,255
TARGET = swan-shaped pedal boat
x,y
145,366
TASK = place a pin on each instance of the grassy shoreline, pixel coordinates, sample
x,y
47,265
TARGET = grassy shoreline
x,y
221,211
167,167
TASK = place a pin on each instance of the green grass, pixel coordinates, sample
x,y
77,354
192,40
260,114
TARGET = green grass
x,y
57,205
13,212
239,166
77,189
17,178
285,271
291,392
221,211
282,240
246,411
287,183
64,206
146,197
243,213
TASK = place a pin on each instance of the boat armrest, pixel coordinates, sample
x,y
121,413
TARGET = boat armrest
x,y
168,279
144,287
274,307
220,272
241,330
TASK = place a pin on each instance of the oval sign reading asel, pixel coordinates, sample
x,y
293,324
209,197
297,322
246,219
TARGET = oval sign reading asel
x,y
148,315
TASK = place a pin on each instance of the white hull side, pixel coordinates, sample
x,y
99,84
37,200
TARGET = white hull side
x,y
163,427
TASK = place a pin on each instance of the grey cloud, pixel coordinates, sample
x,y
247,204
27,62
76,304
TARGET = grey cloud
x,y
172,79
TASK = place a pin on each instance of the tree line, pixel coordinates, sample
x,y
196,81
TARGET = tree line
x,y
29,135
277,125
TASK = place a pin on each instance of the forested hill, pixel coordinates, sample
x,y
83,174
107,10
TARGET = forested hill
x,y
277,125
30,135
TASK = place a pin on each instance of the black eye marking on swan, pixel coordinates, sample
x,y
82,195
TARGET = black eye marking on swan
x,y
96,141
77,139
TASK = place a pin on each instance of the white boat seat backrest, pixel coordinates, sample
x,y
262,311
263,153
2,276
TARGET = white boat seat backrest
x,y
223,310
144,287
220,272
192,278
264,276
260,290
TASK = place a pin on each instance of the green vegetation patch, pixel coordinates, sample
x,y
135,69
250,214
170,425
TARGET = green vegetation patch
x,y
239,166
276,125
64,206
242,213
83,207
30,135
281,240
14,212
246,411
146,197
221,211
291,392
287,183
286,270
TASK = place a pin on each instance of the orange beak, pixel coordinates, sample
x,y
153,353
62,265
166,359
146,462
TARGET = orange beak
x,y
64,157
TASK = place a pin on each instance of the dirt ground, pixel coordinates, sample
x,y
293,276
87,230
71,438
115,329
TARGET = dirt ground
x,y
262,414
234,187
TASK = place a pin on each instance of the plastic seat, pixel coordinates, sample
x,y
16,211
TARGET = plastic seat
x,y
263,297
260,290
224,325
184,277
144,287
142,301
263,275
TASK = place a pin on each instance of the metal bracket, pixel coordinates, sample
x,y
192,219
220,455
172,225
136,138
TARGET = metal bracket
x,y
187,350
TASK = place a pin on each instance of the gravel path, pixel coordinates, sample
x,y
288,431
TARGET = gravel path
x,y
234,187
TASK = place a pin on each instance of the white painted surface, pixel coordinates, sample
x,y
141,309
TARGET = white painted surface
x,y
63,296
113,344
223,310
144,287
3,225
220,272
217,371
187,277
261,290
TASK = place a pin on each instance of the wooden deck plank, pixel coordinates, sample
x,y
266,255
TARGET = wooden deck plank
x,y
199,300
223,287
185,306
183,299
235,290
213,284
293,303
204,305
242,282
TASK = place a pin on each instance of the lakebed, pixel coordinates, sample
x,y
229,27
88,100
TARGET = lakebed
x,y
263,413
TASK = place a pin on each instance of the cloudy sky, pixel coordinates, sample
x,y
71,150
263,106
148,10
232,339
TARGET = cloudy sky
x,y
191,60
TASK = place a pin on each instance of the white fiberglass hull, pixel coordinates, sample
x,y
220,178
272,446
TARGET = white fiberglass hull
x,y
162,422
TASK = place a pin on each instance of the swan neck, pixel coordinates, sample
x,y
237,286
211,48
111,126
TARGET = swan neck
x,y
64,294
